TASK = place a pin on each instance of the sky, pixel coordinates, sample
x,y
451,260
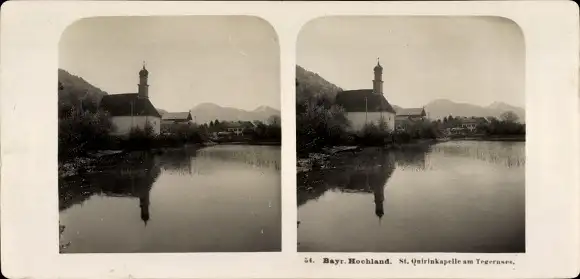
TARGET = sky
x,y
231,61
476,60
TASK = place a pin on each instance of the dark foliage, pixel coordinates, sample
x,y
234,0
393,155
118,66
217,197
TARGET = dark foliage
x,y
267,132
319,124
503,128
374,135
76,93
79,132
319,121
84,128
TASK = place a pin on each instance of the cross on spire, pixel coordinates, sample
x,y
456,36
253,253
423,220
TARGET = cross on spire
x,y
143,64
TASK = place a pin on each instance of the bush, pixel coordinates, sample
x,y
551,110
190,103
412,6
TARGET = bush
x,y
82,132
266,132
319,123
184,133
401,137
79,132
428,130
145,139
424,129
189,134
374,135
502,128
139,139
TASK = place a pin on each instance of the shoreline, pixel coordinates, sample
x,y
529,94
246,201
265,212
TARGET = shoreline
x,y
489,138
268,143
321,160
94,161
508,139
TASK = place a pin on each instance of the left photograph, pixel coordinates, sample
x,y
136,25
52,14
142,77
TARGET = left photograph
x,y
169,135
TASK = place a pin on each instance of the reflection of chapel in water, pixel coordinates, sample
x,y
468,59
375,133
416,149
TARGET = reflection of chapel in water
x,y
413,159
371,177
377,182
365,173
135,183
144,205
379,193
126,181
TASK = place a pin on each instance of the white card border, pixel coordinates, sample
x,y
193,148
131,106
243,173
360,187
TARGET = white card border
x,y
29,46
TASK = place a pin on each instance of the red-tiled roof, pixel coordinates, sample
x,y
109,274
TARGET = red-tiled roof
x,y
354,101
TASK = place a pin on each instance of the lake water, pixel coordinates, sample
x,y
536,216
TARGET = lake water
x,y
215,199
451,197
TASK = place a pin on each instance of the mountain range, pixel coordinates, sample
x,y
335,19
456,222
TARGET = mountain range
x,y
309,83
74,88
206,112
440,108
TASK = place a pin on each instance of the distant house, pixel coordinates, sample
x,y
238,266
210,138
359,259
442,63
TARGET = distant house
x,y
366,106
455,131
471,123
176,117
238,128
132,110
466,125
414,114
407,116
170,121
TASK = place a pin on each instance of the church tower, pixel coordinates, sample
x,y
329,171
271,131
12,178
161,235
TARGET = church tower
x,y
144,205
378,81
143,86
379,193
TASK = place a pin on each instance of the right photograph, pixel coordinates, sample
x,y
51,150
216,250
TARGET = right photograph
x,y
410,134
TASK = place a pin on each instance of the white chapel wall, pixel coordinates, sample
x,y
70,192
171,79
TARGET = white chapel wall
x,y
123,124
357,119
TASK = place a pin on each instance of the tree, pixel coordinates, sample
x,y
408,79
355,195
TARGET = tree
x,y
82,131
509,116
382,124
492,119
318,126
274,120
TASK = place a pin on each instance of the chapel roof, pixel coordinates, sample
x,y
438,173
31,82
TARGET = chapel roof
x,y
354,101
128,104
